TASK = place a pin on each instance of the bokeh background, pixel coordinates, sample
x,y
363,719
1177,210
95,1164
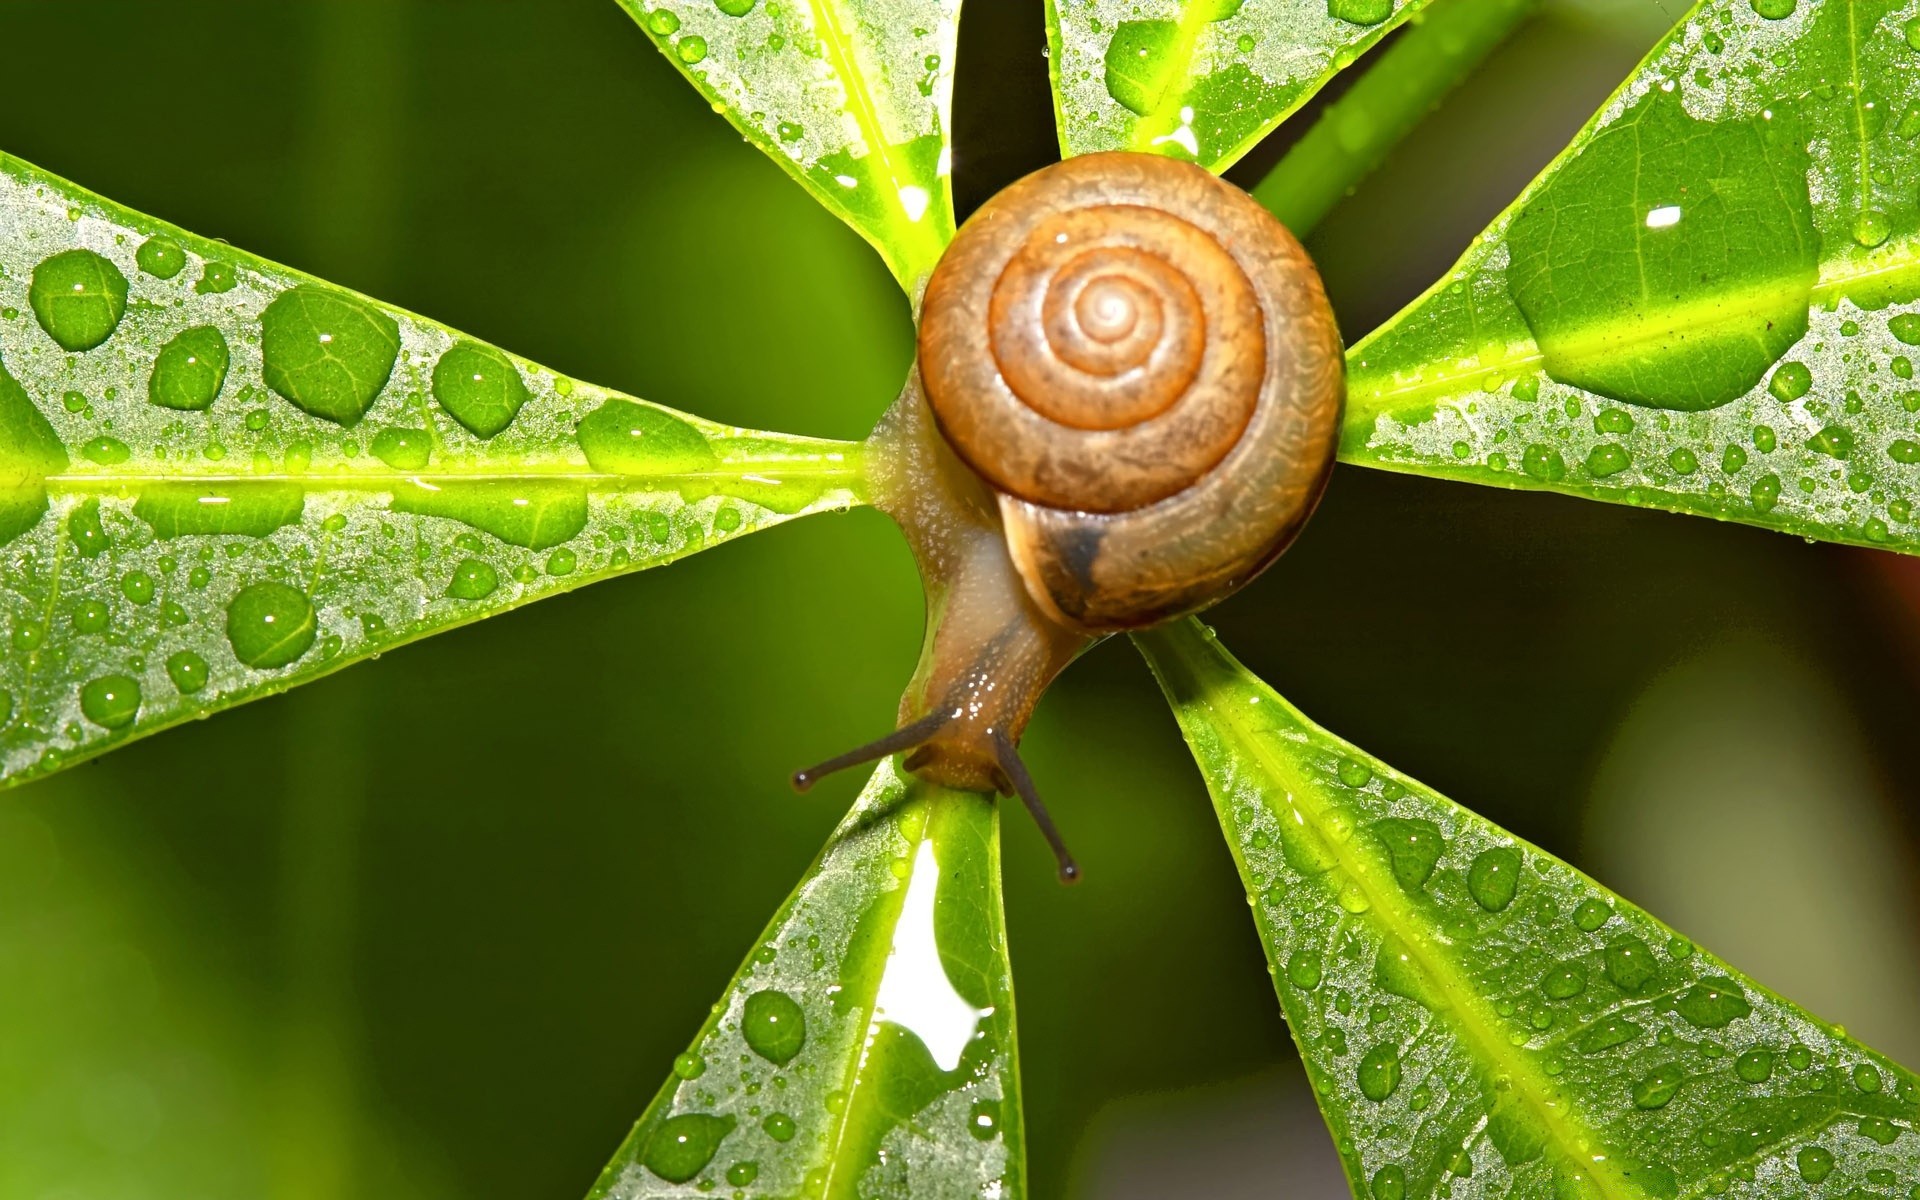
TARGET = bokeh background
x,y
435,927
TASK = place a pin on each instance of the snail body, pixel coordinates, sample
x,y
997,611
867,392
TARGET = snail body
x,y
1125,405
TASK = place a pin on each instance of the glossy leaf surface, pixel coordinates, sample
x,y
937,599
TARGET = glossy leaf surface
x,y
850,97
866,1047
219,477
1481,1020
1199,79
1710,303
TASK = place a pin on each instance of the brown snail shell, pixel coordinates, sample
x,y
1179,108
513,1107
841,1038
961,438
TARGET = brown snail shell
x,y
1141,362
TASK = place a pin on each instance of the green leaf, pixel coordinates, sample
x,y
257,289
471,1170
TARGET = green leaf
x,y
219,478
866,1047
1199,79
850,97
1707,304
1478,1018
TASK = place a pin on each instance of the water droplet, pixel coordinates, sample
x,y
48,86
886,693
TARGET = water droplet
x,y
1494,877
532,514
1396,971
1379,1072
779,1127
1629,964
78,298
327,352
1360,12
270,625
662,22
160,257
239,507
1607,458
689,1065
1563,981
1683,461
741,1174
623,437
1415,846
691,49
107,451
1834,440
1765,493
983,1120
1713,1003
1140,63
1304,969
1613,420
562,562
1390,1183
682,1146
403,449
190,370
1764,439
1905,328
1658,1088
1775,10
1815,1163
1590,915
1871,228
479,387
91,616
188,671
1866,1077
1611,1032
774,1026
111,701
734,8
1880,1130
1354,774
1543,463
216,278
473,580
89,536
137,586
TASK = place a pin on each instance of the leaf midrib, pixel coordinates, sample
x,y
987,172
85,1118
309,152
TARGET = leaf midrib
x,y
384,480
1475,1027
1832,285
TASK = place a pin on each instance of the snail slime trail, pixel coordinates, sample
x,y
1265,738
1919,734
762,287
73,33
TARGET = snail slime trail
x,y
1125,405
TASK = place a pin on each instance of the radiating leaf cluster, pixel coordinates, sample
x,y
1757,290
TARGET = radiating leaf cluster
x,y
219,477
850,97
1199,79
866,1047
1480,1019
1710,303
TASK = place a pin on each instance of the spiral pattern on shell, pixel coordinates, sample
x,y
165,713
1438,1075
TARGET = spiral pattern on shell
x,y
1141,361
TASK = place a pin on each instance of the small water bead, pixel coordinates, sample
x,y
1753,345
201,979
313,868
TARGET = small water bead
x,y
983,1120
1354,774
1713,1003
741,1174
1613,1031
662,22
691,49
1683,461
1564,980
689,1065
1390,1183
1304,969
1733,460
1866,1077
1913,33
1494,877
327,352
1590,915
1764,493
1871,228
1379,1072
78,298
1815,1163
91,616
137,586
270,625
74,402
1360,12
160,257
84,528
216,278
1544,463
1629,963
774,1026
1764,439
1415,847
562,562
1905,328
1754,1066
1613,420
1791,381
473,580
682,1146
1607,458
734,8
28,638
1658,1087
107,451
188,671
403,449
111,701
779,1127
479,387
190,370
1879,1129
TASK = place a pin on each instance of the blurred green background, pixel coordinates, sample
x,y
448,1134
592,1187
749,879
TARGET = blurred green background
x,y
435,927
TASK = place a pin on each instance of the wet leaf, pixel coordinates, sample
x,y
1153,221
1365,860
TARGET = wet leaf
x,y
219,478
1493,1022
866,1047
850,97
1710,303
1199,79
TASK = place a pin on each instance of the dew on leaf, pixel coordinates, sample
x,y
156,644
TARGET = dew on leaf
x,y
1764,439
479,387
1658,1087
1764,492
91,616
623,437
688,1065
741,1174
1415,847
328,352
1835,441
691,49
107,451
270,625
160,257
1494,877
1713,1003
1140,63
1360,12
773,1026
78,298
188,671
1866,1077
1379,1072
531,514
1590,915
1304,969
84,527
1880,1130
137,586
662,21
1611,1032
1733,460
1905,328
1775,10
1629,964
562,562
403,449
1354,774
1871,228
473,580
734,8
779,1127
1790,382
1544,463
216,278
190,370
1390,1183
1754,1066
983,1120
111,701
1608,458
1613,420
182,508
680,1147
1815,1163
1563,981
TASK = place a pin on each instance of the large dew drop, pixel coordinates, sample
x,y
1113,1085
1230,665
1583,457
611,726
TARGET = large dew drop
x,y
682,1146
1494,877
270,625
1679,293
30,451
328,352
479,387
190,370
79,298
111,701
774,1026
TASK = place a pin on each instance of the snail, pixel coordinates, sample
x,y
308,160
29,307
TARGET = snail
x,y
1124,406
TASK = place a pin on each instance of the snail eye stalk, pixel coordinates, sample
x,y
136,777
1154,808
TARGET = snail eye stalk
x,y
904,738
1022,786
